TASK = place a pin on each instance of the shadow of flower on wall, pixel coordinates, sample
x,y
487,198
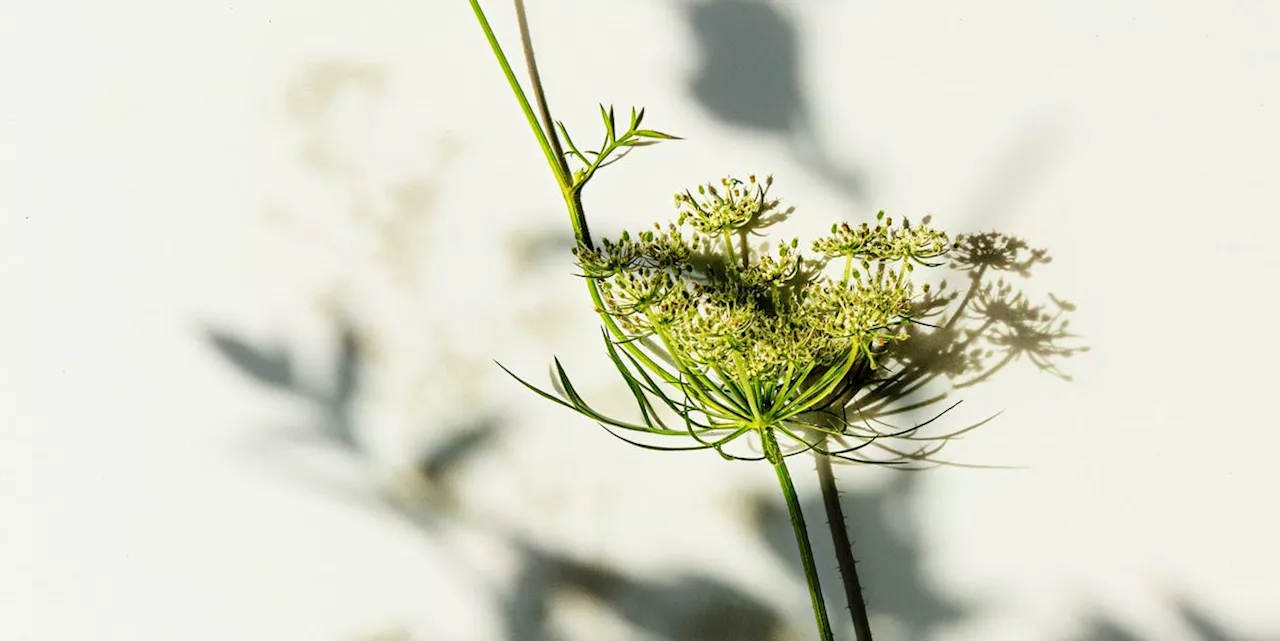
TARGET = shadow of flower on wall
x,y
966,338
970,335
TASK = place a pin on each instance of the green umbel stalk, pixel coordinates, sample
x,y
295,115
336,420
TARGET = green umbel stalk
x,y
774,454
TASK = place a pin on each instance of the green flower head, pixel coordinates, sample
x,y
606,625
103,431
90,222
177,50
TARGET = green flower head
x,y
749,339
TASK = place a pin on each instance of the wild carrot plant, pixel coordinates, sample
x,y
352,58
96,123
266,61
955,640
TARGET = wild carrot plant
x,y
749,351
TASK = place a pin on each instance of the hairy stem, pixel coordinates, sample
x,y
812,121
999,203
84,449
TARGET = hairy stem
x,y
844,549
774,454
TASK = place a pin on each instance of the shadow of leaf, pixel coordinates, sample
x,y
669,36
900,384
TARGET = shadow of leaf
x,y
750,71
683,607
445,457
750,77
1191,617
1199,622
274,368
340,427
337,426
271,367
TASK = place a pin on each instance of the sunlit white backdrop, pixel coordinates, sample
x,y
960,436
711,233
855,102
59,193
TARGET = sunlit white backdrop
x,y
259,259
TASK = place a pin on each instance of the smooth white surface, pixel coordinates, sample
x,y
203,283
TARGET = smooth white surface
x,y
171,169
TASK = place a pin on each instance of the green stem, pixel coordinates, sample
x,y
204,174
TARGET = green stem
x,y
550,149
573,197
774,454
844,549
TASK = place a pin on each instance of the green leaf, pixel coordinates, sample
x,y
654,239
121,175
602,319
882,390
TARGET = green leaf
x,y
610,129
818,390
657,448
808,446
637,390
636,117
569,141
582,407
721,443
538,391
684,409
649,133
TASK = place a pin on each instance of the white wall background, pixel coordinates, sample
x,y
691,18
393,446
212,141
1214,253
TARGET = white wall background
x,y
185,184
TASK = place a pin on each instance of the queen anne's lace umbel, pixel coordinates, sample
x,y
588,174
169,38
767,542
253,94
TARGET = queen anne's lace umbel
x,y
742,315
